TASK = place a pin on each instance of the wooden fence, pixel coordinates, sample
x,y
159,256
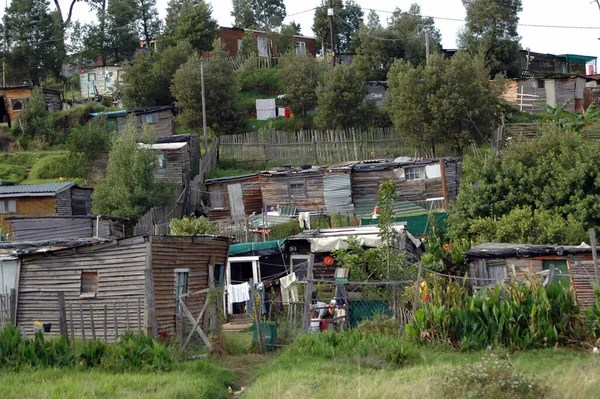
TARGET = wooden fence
x,y
530,131
7,309
318,147
156,221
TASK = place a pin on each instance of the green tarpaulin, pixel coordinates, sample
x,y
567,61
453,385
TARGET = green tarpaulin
x,y
257,248
416,224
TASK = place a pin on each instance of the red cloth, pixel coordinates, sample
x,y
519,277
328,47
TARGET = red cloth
x,y
288,113
323,325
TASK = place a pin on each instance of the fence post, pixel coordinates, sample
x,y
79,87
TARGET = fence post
x,y
261,345
82,324
93,325
416,299
139,316
71,324
62,316
115,319
105,323
315,153
308,295
13,307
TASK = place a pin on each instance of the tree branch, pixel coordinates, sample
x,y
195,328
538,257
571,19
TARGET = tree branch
x,y
68,21
597,3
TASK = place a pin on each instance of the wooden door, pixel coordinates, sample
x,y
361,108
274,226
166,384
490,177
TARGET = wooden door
x,y
236,201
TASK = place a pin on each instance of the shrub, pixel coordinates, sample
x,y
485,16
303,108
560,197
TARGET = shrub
x,y
593,315
379,324
53,167
13,173
252,78
193,226
92,353
494,378
137,352
517,316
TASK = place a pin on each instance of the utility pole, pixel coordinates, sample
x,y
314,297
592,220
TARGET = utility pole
x,y
426,48
330,14
4,45
203,108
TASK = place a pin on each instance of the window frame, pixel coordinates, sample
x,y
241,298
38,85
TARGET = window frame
x,y
93,293
265,41
409,173
300,48
178,273
496,264
3,207
20,100
297,194
153,118
219,197
90,74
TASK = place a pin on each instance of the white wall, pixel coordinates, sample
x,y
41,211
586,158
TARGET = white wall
x,y
8,275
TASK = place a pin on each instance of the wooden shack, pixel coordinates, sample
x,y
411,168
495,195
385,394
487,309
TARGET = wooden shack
x,y
234,197
173,163
13,98
160,118
39,228
48,199
231,39
300,187
193,148
431,183
114,286
321,243
573,265
100,80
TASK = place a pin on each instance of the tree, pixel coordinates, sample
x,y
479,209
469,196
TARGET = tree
x,y
35,45
193,226
259,14
148,79
412,27
222,114
284,39
194,24
65,22
299,76
130,188
491,31
122,37
557,173
341,99
348,17
149,24
86,143
448,102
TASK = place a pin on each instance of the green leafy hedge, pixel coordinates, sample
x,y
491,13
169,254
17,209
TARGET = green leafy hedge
x,y
516,316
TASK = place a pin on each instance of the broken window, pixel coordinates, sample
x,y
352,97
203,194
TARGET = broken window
x,y
17,104
89,283
297,189
417,173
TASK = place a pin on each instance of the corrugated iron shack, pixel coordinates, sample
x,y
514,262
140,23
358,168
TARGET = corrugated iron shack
x,y
429,182
173,164
573,265
337,188
300,187
234,197
39,228
48,199
193,148
122,284
322,242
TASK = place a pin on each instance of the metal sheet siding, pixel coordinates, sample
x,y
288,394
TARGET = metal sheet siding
x,y
337,192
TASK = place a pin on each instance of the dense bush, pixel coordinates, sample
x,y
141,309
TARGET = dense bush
x,y
494,377
252,78
52,167
13,173
192,226
376,349
516,316
593,316
134,352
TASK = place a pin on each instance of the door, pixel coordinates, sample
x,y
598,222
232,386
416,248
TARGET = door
x,y
550,92
561,271
236,201
4,117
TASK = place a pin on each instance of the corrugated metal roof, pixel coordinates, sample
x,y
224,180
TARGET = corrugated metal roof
x,y
163,146
33,190
363,208
229,178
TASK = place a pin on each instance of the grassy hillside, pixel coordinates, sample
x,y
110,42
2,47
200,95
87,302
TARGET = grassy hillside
x,y
28,167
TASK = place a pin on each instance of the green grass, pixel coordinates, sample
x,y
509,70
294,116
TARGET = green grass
x,y
201,379
568,373
12,173
26,158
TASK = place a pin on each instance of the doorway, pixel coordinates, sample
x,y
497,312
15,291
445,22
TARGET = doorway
x,y
4,116
561,271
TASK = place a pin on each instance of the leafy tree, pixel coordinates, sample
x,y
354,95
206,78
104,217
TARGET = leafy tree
x,y
385,201
299,77
348,16
284,39
130,188
34,40
86,143
557,173
448,102
194,24
148,79
341,99
260,14
222,114
491,31
193,226
411,26
34,118
249,46
122,38
149,24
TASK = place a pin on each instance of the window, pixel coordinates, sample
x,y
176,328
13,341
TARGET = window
x,y
217,199
240,44
91,76
263,46
8,206
297,190
150,118
89,284
301,48
541,84
17,104
162,161
181,287
497,271
415,173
